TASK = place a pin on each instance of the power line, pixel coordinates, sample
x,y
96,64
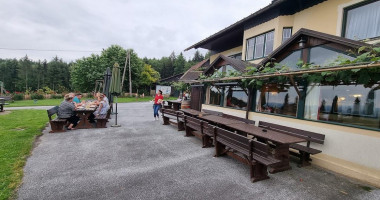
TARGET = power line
x,y
60,50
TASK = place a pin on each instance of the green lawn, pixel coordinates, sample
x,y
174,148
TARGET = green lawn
x,y
17,134
56,102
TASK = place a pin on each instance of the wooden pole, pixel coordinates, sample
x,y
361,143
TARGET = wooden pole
x,y
125,66
130,75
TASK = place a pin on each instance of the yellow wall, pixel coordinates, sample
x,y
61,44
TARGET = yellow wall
x,y
349,151
325,17
229,52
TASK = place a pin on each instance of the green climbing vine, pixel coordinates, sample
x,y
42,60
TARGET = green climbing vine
x,y
366,76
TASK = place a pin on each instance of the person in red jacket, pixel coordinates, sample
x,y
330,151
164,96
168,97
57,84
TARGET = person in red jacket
x,y
157,104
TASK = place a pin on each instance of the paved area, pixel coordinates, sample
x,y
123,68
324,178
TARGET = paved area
x,y
146,160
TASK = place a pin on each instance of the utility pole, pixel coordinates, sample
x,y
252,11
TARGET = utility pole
x,y
130,75
125,66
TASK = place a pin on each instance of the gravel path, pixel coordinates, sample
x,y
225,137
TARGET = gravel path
x,y
146,160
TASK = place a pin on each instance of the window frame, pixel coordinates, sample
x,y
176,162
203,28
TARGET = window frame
x,y
351,7
291,33
254,46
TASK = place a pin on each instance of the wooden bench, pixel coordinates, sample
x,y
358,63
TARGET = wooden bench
x,y
175,115
238,118
2,102
101,121
109,112
304,152
251,152
198,128
213,112
56,124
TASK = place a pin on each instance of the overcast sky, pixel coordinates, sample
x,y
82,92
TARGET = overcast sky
x,y
153,28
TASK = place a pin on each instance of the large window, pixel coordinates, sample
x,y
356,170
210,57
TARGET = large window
x,y
286,34
324,55
279,99
260,46
215,95
292,59
362,21
347,104
236,97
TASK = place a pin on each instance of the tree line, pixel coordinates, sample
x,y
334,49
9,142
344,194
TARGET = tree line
x,y
26,75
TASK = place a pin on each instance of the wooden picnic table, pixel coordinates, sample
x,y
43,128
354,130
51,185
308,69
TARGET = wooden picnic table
x,y
174,104
281,143
192,112
83,114
218,120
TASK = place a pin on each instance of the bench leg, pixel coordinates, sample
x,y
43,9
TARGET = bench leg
x,y
206,141
188,132
101,123
1,108
304,159
166,120
57,127
219,148
181,126
258,172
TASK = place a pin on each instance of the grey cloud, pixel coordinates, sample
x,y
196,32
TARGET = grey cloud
x,y
153,28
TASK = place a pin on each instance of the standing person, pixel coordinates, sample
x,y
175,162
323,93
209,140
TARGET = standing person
x,y
66,111
157,104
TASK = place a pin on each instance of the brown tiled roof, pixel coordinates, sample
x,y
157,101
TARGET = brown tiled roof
x,y
237,64
194,71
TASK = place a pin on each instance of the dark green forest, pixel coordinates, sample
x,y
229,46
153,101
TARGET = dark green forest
x,y
57,76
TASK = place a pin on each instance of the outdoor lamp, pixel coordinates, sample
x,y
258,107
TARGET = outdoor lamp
x,y
302,42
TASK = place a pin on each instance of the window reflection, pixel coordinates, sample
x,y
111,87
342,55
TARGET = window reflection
x,y
277,99
351,104
292,59
236,97
323,55
215,95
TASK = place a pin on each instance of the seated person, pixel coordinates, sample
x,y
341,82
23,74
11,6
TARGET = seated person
x,y
101,110
77,99
66,111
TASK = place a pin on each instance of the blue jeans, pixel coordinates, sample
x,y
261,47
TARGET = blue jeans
x,y
156,108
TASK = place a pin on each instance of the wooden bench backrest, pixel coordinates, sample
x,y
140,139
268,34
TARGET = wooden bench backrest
x,y
307,135
7,98
239,142
213,112
193,123
208,129
52,111
239,119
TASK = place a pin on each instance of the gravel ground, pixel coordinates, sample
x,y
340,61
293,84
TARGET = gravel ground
x,y
145,160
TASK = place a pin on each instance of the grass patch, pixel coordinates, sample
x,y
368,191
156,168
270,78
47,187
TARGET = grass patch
x,y
17,134
366,188
57,102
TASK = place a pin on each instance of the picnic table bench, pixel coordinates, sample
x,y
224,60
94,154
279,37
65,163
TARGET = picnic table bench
x,y
174,104
2,102
253,153
175,115
192,112
198,128
101,121
280,143
304,152
213,112
56,124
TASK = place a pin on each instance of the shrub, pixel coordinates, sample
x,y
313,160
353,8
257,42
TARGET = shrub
x,y
18,97
56,96
37,96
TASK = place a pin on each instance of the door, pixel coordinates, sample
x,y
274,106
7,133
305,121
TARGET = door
x,y
196,97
